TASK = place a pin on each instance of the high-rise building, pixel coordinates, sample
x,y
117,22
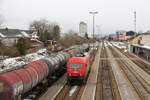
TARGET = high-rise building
x,y
82,28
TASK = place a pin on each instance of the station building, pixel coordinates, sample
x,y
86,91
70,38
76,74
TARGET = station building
x,y
142,49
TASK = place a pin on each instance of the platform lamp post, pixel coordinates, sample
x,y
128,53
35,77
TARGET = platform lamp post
x,y
93,13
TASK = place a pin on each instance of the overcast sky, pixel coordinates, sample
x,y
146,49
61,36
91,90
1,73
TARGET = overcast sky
x,y
113,14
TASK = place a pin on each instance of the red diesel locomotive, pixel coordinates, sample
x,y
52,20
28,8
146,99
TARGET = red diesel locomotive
x,y
78,69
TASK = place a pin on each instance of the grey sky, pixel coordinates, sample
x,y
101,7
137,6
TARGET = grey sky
x,y
113,14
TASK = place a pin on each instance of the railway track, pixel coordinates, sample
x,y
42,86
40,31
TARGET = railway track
x,y
106,89
126,90
138,61
140,86
70,93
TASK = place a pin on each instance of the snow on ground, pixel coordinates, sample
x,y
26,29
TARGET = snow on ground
x,y
20,61
120,45
106,43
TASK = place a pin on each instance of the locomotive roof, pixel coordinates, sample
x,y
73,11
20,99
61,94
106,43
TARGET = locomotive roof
x,y
77,59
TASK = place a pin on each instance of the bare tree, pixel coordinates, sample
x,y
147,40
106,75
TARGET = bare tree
x,y
72,31
56,32
39,26
45,29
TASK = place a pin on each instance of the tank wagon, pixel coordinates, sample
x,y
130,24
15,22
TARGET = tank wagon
x,y
78,68
20,82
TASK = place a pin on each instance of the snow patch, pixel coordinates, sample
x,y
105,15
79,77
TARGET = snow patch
x,y
73,90
119,45
2,35
19,35
25,34
36,40
20,61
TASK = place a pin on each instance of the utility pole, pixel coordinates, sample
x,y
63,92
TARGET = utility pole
x,y
135,21
93,13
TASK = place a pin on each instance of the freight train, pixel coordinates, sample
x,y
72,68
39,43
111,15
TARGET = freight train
x,y
19,83
78,68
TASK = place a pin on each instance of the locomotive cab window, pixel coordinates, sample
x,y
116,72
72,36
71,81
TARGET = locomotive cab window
x,y
85,65
75,65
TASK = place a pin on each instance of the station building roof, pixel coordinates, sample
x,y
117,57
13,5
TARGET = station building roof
x,y
141,46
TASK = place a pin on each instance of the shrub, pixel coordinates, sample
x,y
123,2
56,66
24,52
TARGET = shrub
x,y
71,39
12,51
22,45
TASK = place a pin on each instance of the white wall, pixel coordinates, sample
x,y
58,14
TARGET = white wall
x,y
9,41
